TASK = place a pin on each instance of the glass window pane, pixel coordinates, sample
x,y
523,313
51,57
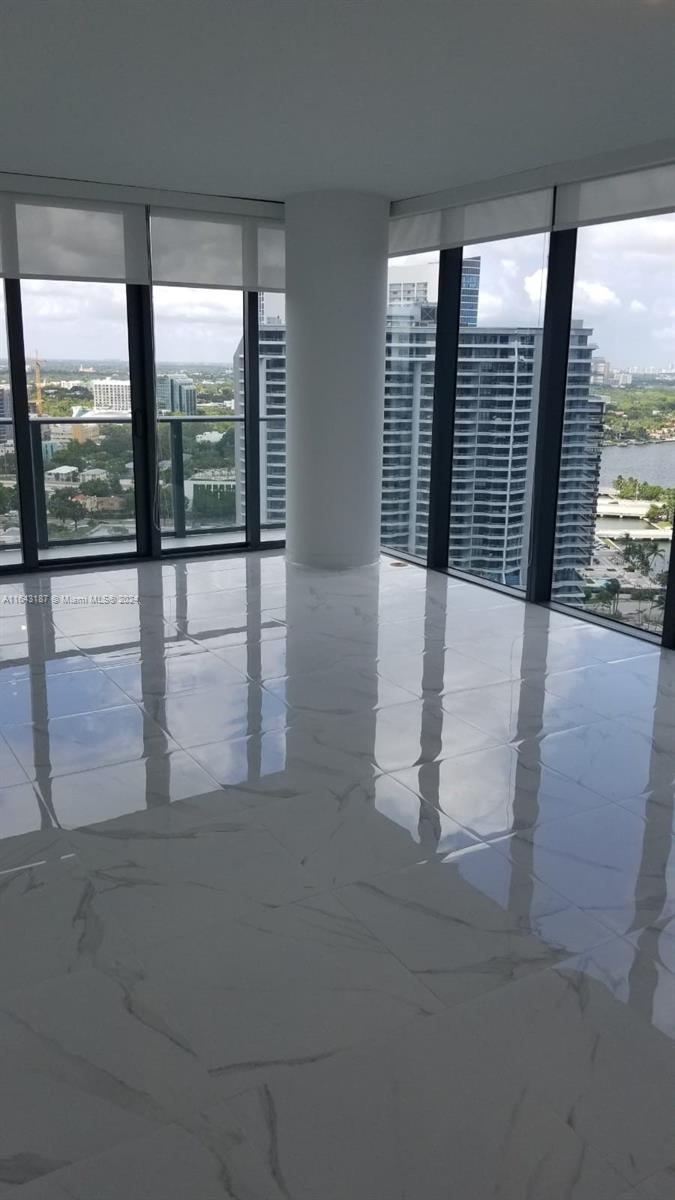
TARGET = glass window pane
x,y
617,479
201,444
77,368
408,402
10,530
497,394
272,384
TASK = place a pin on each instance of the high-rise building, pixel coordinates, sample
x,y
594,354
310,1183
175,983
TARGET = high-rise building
x,y
494,438
601,372
272,369
112,395
408,292
176,394
411,290
272,350
6,432
468,299
579,470
495,416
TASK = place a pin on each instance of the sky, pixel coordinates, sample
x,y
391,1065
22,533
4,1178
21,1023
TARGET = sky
x,y
624,289
624,286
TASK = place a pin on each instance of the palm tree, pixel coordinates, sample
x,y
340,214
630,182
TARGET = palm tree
x,y
611,590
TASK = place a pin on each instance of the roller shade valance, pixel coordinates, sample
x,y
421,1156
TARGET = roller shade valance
x,y
409,235
58,239
213,251
55,238
614,197
635,194
508,216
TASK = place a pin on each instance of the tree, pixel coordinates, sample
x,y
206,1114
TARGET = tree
x,y
63,507
73,454
7,499
610,592
640,555
95,487
217,504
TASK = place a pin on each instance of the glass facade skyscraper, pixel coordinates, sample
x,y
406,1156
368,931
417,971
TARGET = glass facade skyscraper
x,y
176,394
496,408
468,301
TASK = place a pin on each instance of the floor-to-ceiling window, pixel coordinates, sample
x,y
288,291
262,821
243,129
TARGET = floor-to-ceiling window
x,y
123,390
616,495
79,401
408,402
201,444
496,401
10,529
125,446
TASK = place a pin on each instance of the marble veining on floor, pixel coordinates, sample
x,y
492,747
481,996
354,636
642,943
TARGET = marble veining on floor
x,y
331,887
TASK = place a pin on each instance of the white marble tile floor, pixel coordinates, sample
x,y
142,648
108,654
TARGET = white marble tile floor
x,y
331,887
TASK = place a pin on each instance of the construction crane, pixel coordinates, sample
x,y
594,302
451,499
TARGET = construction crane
x,y
38,403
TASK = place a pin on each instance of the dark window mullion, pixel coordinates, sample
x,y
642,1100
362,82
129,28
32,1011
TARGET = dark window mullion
x,y
143,422
251,419
443,420
551,413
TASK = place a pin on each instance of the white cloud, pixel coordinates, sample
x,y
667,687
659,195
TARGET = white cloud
x,y
535,284
509,267
66,319
641,237
197,304
489,305
594,297
636,306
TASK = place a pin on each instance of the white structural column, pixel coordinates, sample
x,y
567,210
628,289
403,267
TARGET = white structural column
x,y
336,297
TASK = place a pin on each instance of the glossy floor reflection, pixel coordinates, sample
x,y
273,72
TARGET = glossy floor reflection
x,y
346,886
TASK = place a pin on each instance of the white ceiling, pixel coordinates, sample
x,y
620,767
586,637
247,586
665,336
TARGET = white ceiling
x,y
263,98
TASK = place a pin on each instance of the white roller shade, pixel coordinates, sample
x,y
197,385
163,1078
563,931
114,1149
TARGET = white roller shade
x,y
8,256
408,235
632,195
271,258
510,216
60,240
203,252
218,251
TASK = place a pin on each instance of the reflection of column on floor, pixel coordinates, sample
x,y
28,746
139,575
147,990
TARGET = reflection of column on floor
x,y
153,683
41,649
253,667
432,714
643,978
305,614
527,781
181,598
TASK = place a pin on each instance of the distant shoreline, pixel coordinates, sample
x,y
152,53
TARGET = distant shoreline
x,y
640,442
